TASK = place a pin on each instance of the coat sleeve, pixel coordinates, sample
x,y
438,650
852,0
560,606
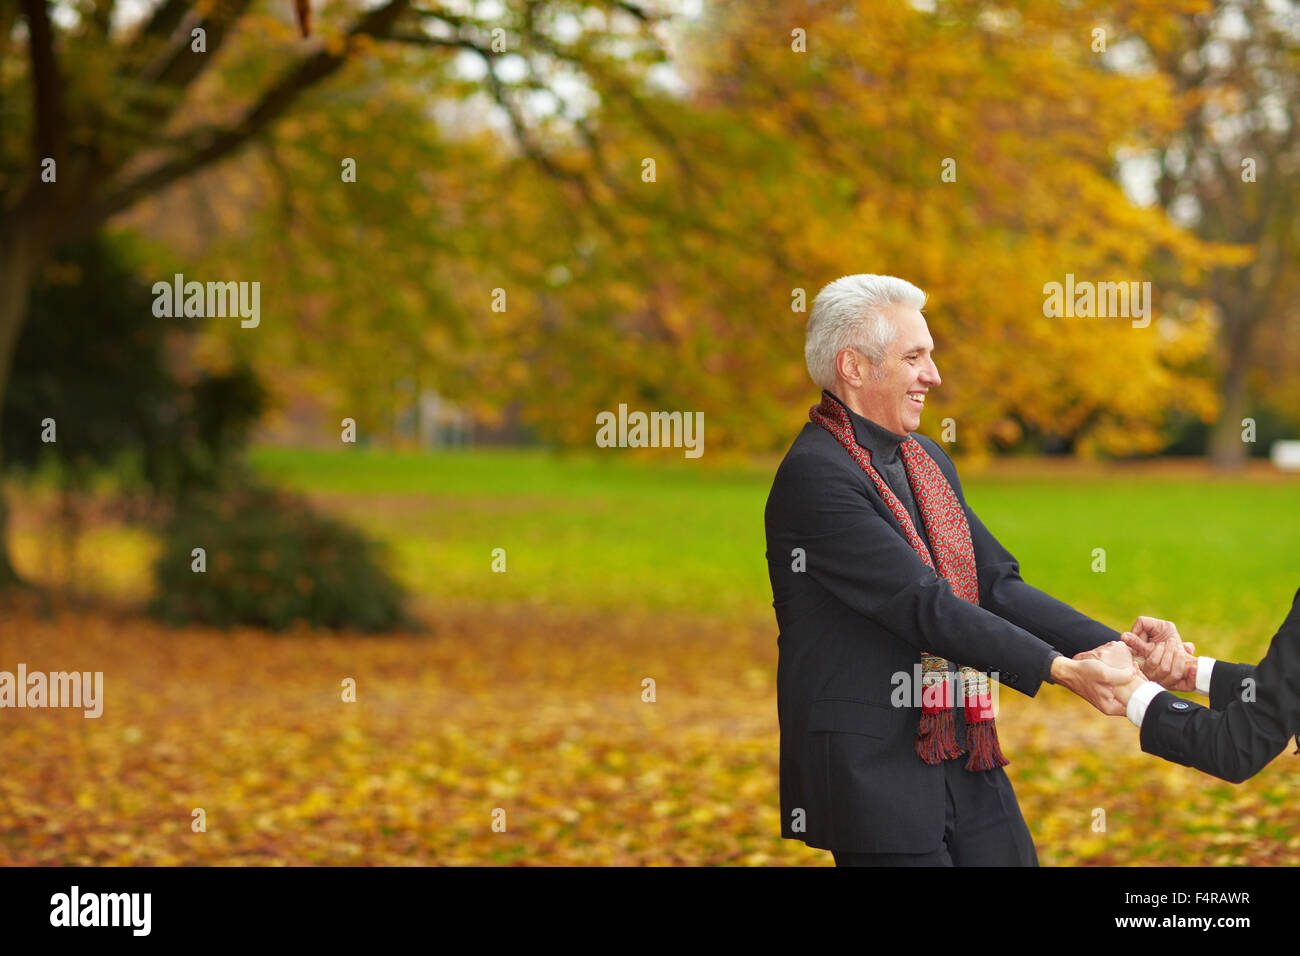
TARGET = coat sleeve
x,y
1228,682
1233,742
1006,594
856,554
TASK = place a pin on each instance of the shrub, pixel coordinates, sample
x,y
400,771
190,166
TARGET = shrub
x,y
270,560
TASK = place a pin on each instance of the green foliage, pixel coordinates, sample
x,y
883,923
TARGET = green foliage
x,y
1191,436
271,560
94,358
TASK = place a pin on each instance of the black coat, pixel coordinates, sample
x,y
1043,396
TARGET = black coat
x,y
862,612
1236,736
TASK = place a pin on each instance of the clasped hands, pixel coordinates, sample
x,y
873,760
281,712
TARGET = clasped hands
x,y
1107,676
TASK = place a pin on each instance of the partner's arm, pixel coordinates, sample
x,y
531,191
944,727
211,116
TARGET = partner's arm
x,y
1237,741
1170,662
1227,682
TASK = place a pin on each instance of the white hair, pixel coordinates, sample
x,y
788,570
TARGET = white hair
x,y
847,314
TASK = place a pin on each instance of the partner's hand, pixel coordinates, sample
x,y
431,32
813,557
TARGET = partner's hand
x,y
1115,654
1095,681
1166,658
1154,629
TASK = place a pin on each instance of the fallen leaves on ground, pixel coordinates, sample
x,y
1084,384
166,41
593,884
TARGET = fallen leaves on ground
x,y
534,712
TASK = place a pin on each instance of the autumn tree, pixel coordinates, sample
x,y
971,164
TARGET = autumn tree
x,y
970,149
1230,171
105,112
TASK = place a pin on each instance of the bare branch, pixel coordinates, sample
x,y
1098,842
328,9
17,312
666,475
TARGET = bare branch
x,y
48,139
610,79
179,66
166,17
225,140
645,16
422,39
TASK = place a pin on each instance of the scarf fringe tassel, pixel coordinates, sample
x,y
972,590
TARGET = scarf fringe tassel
x,y
985,752
936,739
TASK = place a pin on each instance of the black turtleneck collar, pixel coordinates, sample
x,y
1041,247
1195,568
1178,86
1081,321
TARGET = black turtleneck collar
x,y
877,439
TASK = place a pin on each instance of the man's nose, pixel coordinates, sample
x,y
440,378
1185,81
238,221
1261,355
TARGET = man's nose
x,y
932,374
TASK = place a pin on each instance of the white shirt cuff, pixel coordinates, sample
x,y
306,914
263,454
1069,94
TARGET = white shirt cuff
x,y
1137,704
1203,667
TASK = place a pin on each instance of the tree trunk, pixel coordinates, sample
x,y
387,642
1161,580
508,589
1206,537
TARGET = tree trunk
x,y
1227,449
19,260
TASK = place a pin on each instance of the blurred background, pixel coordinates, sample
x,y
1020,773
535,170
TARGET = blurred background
x,y
472,228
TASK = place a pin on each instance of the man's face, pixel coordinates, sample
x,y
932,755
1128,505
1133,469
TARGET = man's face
x,y
897,398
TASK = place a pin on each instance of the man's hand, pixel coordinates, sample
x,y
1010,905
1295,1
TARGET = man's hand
x,y
1124,691
1165,657
1095,680
1116,654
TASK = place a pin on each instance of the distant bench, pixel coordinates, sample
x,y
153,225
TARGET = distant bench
x,y
1286,455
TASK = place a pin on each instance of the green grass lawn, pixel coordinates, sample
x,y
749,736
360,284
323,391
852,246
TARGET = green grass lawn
x,y
616,569
1220,557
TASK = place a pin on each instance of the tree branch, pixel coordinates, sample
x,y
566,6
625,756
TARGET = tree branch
x,y
164,20
47,137
179,66
225,140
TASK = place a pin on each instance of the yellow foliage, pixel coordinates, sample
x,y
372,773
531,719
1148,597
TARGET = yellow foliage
x,y
250,728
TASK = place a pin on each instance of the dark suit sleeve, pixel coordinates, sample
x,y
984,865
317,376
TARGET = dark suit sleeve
x,y
1238,740
1227,681
1005,593
854,552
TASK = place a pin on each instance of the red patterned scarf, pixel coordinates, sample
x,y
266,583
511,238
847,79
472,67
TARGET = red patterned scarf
x,y
949,533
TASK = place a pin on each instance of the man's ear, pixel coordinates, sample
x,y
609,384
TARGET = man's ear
x,y
850,365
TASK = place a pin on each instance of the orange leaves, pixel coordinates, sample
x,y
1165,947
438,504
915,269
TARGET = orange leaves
x,y
528,713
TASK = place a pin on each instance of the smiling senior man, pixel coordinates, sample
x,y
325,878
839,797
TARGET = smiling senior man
x,y
877,566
